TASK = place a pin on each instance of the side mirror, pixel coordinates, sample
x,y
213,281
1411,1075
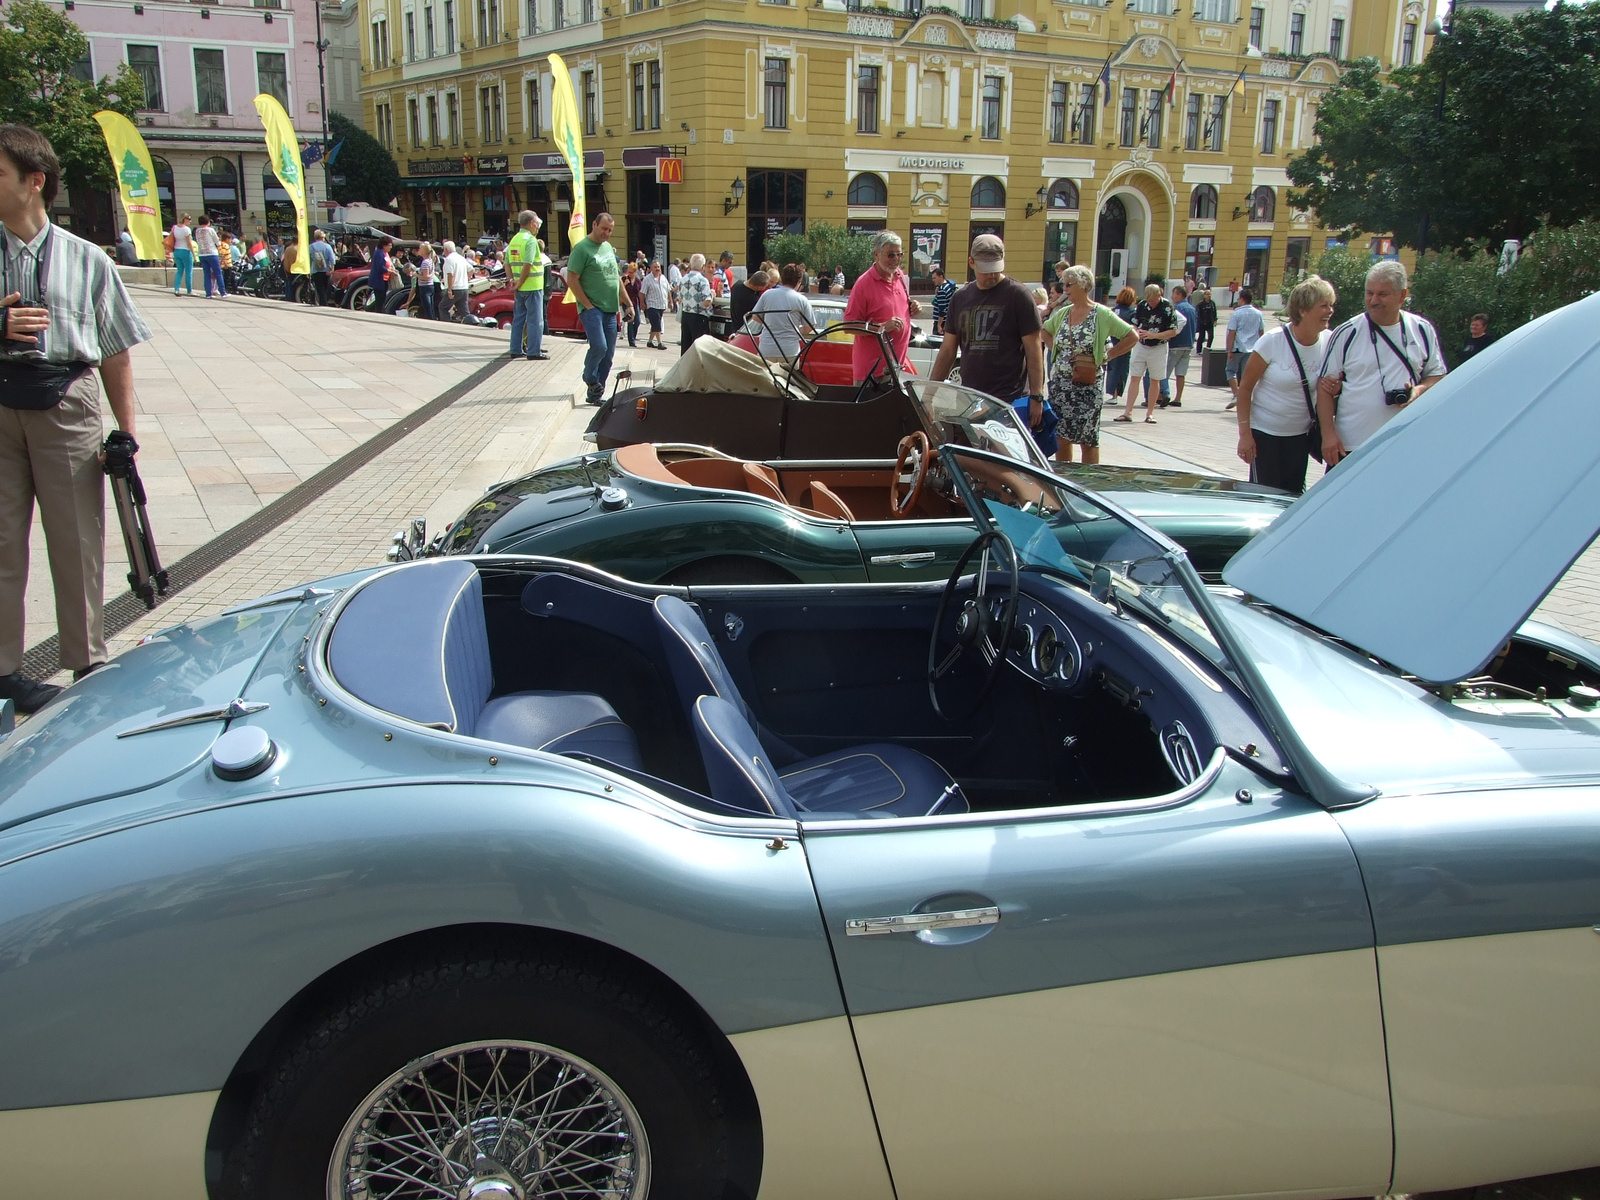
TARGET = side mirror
x,y
1100,584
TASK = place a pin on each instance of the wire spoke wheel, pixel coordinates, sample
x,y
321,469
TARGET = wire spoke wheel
x,y
493,1120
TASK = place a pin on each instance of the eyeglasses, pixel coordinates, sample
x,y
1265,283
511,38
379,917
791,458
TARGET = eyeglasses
x,y
894,253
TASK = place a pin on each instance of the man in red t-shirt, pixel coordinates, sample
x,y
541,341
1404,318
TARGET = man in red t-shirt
x,y
881,296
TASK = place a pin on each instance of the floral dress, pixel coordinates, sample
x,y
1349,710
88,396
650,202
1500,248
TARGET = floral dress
x,y
1077,405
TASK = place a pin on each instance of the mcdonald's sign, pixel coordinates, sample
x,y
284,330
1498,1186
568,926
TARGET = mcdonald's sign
x,y
669,170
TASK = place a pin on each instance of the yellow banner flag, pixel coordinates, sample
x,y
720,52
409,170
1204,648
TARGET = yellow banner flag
x,y
283,147
567,129
136,180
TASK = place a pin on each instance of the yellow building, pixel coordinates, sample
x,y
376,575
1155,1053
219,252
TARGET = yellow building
x,y
1137,136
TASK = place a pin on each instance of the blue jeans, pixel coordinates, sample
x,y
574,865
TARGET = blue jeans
x,y
527,323
211,264
601,329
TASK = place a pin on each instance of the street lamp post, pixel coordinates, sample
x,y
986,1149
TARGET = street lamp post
x,y
322,91
1438,29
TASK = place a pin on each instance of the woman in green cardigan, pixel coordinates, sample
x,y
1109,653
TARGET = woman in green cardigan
x,y
1076,328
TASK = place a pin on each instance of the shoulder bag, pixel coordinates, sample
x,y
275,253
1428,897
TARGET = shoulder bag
x,y
1314,434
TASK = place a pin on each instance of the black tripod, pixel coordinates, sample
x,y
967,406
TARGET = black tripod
x,y
147,577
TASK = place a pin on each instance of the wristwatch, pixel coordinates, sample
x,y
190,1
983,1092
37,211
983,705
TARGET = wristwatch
x,y
1031,399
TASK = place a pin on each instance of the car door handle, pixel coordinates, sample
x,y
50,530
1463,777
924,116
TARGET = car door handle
x,y
905,560
917,922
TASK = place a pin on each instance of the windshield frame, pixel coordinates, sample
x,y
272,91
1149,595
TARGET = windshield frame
x,y
931,422
1326,788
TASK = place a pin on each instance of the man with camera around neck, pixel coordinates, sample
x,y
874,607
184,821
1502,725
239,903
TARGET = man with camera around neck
x,y
1376,364
64,311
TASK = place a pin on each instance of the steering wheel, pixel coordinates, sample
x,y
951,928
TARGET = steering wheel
x,y
910,471
861,392
978,625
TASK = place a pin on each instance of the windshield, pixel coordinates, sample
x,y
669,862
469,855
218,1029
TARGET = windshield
x,y
960,416
1074,537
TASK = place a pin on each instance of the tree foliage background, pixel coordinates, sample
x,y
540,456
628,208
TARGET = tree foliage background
x,y
368,170
1493,134
39,50
822,247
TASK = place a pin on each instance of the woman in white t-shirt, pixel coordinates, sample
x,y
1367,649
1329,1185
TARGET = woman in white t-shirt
x,y
1278,390
182,255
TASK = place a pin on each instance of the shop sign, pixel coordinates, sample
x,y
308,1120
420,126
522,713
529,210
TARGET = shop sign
x,y
913,162
437,166
593,160
497,164
669,170
1258,243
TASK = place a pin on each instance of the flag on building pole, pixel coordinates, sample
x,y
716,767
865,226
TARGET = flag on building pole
x,y
136,180
1105,80
283,147
1238,86
567,131
1172,89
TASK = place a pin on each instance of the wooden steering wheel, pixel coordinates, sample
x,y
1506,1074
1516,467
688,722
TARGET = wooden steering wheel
x,y
910,473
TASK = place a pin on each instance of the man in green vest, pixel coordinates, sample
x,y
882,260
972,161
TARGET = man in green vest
x,y
525,267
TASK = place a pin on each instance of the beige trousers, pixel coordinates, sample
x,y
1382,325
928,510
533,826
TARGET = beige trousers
x,y
53,455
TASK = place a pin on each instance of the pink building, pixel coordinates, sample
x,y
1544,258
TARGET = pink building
x,y
203,66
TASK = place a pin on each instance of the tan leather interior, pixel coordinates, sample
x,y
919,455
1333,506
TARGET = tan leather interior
x,y
762,480
828,504
642,460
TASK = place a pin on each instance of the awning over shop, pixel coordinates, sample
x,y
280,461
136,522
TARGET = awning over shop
x,y
561,176
455,181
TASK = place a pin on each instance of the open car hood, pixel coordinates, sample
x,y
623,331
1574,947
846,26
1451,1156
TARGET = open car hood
x,y
1435,540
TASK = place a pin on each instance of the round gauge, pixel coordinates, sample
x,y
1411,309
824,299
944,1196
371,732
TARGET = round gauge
x,y
1022,640
1045,647
1066,663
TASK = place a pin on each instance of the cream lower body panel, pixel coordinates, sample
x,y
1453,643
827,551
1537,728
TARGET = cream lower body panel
x,y
1257,1079
1494,1049
130,1149
818,1136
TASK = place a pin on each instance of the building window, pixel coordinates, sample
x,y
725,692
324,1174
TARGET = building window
x,y
1336,38
411,36
1258,17
867,100
989,112
1297,33
868,190
1191,124
210,82
591,103
1215,127
1130,116
1060,245
930,106
531,22
1408,44
1058,111
1083,115
449,26
488,21
1063,195
558,15
535,118
1203,203
777,93
380,44
452,117
1214,10
639,117
272,76
83,69
413,122
1263,204
647,95
146,61
588,11
433,121
973,10
383,121
654,72
988,192
1150,126
1269,126
491,117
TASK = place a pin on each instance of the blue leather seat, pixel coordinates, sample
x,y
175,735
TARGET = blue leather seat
x,y
860,783
414,643
879,779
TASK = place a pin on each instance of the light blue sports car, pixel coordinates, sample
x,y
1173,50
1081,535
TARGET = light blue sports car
x,y
491,877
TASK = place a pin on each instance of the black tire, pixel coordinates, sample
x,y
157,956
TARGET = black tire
x,y
305,292
728,569
395,301
598,1014
359,297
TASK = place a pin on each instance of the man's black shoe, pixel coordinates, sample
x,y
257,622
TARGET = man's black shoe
x,y
92,667
1176,404
29,695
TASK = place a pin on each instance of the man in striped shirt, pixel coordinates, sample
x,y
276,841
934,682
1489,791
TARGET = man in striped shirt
x,y
943,289
65,311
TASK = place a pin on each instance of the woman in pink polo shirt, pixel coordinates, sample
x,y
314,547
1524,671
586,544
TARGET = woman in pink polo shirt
x,y
881,296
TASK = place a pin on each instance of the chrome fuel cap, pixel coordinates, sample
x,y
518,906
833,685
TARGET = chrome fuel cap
x,y
614,498
242,753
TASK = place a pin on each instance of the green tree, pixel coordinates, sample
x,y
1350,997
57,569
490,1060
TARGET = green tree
x,y
1490,136
822,247
40,52
368,170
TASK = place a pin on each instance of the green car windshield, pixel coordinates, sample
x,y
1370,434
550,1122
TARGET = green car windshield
x,y
960,416
1086,542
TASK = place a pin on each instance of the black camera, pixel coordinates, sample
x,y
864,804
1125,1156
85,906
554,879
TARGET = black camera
x,y
1400,395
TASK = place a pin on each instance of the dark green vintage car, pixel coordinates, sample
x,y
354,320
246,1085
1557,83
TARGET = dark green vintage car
x,y
688,514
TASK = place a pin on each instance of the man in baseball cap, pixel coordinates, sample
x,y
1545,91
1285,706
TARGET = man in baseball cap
x,y
994,326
